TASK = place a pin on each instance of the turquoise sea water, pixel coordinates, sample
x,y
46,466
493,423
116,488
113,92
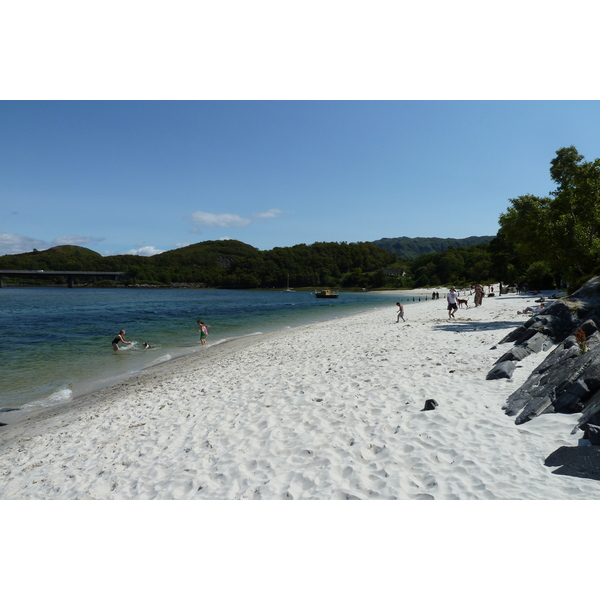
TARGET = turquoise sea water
x,y
56,342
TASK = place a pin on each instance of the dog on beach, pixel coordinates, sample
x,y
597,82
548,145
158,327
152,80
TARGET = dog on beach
x,y
462,302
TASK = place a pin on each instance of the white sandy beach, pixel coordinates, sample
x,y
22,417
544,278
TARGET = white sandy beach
x,y
327,411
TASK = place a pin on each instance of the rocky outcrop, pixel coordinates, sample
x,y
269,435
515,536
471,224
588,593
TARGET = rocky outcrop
x,y
568,379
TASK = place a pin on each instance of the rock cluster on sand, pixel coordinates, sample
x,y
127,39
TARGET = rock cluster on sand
x,y
568,379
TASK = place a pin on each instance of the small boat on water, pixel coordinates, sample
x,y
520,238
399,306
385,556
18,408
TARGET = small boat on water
x,y
326,294
289,289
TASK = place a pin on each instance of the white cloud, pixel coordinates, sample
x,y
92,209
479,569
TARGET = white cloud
x,y
223,220
144,251
272,213
205,219
12,243
76,240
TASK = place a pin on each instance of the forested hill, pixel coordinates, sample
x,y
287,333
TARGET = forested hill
x,y
408,248
233,264
226,263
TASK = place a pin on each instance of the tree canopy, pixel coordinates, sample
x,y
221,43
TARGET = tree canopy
x,y
560,232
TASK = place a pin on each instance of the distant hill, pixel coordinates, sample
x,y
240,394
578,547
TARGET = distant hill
x,y
205,261
221,263
408,248
58,258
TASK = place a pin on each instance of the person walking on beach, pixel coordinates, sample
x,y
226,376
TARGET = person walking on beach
x,y
400,312
203,328
119,338
451,296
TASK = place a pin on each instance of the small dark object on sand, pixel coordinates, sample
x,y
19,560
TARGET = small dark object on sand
x,y
430,404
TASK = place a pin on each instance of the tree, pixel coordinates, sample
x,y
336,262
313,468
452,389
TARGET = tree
x,y
561,232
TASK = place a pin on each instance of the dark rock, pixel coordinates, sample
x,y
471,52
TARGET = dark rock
x,y
593,434
590,413
558,384
592,380
538,342
568,379
589,290
520,334
516,353
570,399
502,370
589,327
430,404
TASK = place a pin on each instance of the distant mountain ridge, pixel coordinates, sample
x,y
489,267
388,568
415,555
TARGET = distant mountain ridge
x,y
409,248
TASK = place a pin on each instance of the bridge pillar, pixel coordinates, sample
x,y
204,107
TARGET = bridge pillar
x,y
70,281
1,282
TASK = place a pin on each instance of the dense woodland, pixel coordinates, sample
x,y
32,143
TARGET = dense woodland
x,y
544,242
233,264
408,248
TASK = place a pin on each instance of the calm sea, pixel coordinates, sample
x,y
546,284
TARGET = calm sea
x,y
56,342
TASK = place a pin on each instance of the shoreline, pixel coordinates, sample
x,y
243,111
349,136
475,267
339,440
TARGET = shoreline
x,y
9,413
331,410
127,380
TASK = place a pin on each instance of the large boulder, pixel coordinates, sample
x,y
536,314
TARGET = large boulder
x,y
564,382
502,370
568,378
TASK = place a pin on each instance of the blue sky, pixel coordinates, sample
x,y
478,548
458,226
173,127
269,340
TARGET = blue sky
x,y
149,176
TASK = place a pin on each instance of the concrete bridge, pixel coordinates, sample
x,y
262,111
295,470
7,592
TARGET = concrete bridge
x,y
70,275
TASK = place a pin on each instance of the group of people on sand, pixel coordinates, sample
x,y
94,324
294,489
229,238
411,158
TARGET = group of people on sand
x,y
452,299
120,337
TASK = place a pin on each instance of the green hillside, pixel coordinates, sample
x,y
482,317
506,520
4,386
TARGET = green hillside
x,y
225,263
409,248
233,264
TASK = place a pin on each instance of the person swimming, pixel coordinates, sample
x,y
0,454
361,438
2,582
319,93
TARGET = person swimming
x,y
119,338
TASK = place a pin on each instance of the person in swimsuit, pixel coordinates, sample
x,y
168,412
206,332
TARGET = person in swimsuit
x,y
203,331
119,338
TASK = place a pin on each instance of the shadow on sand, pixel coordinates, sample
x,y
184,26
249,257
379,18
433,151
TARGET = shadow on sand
x,y
458,325
578,461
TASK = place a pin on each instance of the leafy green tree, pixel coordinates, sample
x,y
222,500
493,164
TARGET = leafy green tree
x,y
563,231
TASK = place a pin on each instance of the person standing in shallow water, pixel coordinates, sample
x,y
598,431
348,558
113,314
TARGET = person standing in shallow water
x,y
203,328
119,338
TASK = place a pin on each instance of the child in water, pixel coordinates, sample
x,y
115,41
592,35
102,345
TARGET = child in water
x,y
203,328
